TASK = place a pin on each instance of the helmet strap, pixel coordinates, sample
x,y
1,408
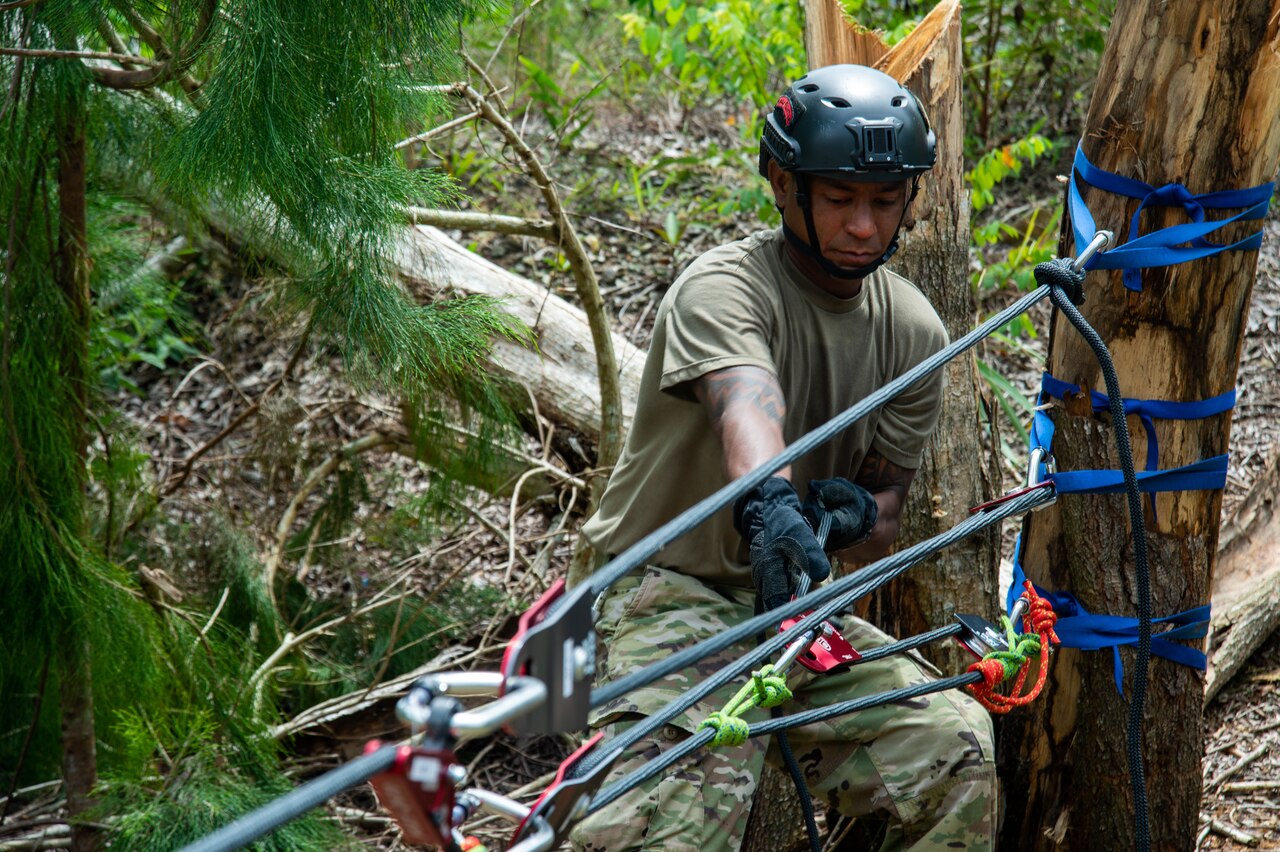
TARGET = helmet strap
x,y
811,248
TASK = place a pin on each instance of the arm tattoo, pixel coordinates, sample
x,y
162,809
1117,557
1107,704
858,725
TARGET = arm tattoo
x,y
725,389
879,474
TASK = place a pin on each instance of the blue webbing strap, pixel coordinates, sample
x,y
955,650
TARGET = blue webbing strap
x,y
1079,628
1163,247
1204,475
1146,409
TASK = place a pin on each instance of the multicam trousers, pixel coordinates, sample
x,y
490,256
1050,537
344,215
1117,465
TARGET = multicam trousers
x,y
926,764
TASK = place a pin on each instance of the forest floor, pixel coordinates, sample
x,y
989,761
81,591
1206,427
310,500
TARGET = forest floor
x,y
253,478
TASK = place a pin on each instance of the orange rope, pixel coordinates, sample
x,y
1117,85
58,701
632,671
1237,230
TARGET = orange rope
x,y
1039,619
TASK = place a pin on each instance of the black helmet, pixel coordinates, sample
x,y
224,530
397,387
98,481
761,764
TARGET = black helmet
x,y
849,122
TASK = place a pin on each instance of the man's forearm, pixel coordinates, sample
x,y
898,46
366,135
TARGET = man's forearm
x,y
746,409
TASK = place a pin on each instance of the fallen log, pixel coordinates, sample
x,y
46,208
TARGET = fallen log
x,y
1246,585
561,373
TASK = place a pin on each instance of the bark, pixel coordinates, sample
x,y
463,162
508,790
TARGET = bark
x,y
1179,339
1246,583
779,827
71,275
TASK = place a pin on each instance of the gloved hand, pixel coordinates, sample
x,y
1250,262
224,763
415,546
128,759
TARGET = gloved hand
x,y
769,520
852,509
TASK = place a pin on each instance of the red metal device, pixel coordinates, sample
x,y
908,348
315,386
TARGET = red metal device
x,y
418,793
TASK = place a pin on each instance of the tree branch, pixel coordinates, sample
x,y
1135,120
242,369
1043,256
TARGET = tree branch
x,y
156,42
174,65
470,221
584,276
76,54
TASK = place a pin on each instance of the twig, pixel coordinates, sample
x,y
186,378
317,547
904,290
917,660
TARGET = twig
x,y
42,53
1250,786
371,441
226,592
180,477
1219,827
292,641
1237,766
512,511
437,130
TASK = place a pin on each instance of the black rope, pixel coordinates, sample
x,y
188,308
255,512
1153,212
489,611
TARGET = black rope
x,y
639,553
1064,283
608,795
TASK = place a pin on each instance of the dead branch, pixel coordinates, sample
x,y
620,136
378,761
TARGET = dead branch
x,y
438,130
41,53
470,221
584,276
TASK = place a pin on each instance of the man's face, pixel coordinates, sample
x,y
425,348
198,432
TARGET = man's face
x,y
855,222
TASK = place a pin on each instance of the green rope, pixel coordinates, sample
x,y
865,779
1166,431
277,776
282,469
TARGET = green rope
x,y
1021,646
765,689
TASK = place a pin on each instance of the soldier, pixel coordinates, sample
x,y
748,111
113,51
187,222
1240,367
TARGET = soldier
x,y
756,344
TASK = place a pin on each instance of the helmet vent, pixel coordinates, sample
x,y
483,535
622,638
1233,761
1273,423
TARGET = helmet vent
x,y
836,103
898,101
809,88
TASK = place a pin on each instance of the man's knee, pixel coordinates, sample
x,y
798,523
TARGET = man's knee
x,y
699,805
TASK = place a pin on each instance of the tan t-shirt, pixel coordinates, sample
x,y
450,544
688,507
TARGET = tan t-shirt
x,y
745,303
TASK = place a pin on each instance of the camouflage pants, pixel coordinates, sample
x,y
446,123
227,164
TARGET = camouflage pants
x,y
925,764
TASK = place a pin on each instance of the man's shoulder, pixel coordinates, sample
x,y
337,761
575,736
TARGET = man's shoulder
x,y
736,267
909,307
747,256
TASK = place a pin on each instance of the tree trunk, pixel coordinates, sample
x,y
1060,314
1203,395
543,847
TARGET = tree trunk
x,y
71,272
935,257
1187,92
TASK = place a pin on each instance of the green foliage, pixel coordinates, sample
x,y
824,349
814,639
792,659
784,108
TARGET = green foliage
x,y
139,317
1000,163
738,50
197,758
389,641
1028,63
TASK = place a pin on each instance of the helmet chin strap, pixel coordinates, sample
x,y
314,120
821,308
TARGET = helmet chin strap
x,y
811,248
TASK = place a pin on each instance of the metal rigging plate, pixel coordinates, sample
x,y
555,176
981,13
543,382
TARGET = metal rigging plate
x,y
555,642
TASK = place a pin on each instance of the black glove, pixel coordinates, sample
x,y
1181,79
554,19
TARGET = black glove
x,y
769,520
852,509
774,570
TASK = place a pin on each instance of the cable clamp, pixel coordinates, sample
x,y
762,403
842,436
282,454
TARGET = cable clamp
x,y
563,803
418,792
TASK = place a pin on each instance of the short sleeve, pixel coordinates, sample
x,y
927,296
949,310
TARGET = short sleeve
x,y
908,420
713,321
